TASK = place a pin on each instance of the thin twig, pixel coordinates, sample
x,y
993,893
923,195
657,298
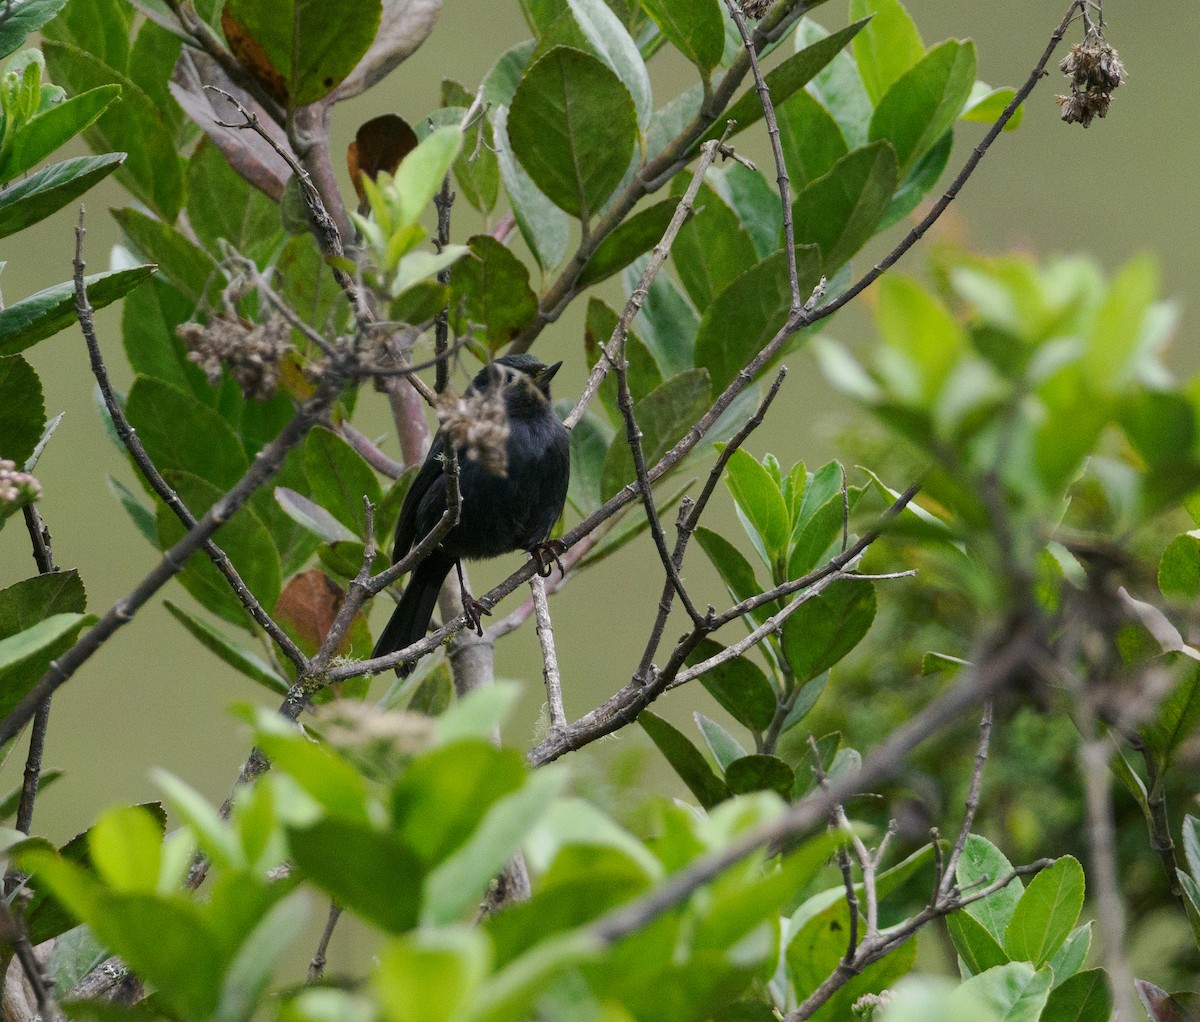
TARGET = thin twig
x,y
781,174
14,934
947,880
150,473
444,201
550,673
316,968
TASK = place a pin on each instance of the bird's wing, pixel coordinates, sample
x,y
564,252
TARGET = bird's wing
x,y
409,521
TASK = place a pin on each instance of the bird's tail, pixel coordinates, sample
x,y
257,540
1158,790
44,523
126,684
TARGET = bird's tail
x,y
410,620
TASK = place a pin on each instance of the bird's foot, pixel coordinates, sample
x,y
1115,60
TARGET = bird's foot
x,y
549,554
474,610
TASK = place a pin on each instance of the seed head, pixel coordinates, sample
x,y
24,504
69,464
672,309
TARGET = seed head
x,y
251,352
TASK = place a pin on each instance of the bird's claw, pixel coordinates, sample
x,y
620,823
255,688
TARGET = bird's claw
x,y
548,555
473,609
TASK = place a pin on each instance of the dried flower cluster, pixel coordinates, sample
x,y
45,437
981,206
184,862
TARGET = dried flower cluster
x,y
17,486
1095,70
251,352
756,8
477,424
867,1007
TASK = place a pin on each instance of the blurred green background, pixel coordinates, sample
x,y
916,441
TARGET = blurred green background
x,y
152,697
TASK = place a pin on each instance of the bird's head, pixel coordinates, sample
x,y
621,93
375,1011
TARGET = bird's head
x,y
532,369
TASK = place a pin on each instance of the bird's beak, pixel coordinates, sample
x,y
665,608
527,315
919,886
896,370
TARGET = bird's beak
x,y
547,374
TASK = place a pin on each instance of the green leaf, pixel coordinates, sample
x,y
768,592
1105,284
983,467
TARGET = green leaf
x,y
749,312
686,759
915,324
250,971
185,264
543,225
475,168
25,19
982,863
461,880
25,603
811,139
839,87
789,77
667,323
422,172
923,104
340,478
1013,992
373,874
149,319
760,773
1191,844
46,313
1085,997
179,433
1179,714
37,196
38,137
134,124
986,105
642,371
25,656
712,249
490,291
842,210
244,539
721,743
663,417
754,201
608,40
221,204
125,847
977,948
573,127
312,516
1112,348
919,182
760,501
888,47
827,627
1066,961
300,49
739,685
1179,568
243,660
694,27
735,570
633,236
431,975
22,409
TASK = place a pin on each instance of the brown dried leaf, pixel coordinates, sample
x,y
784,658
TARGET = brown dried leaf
x,y
379,145
253,57
308,604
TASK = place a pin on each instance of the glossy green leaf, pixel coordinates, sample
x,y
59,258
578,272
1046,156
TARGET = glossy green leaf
x,y
125,847
642,371
1069,958
370,872
312,516
919,182
820,533
180,433
827,627
663,417
760,773
839,87
545,227
134,125
735,571
185,264
888,47
667,323
22,409
245,661
811,139
1112,349
25,655
221,204
24,20
302,49
755,202
23,604
476,171
986,105
923,104
721,743
982,863
687,761
748,313
790,76
423,170
37,196
149,319
739,685
244,539
978,949
712,249
694,27
842,210
607,39
37,138
919,327
1085,997
489,290
340,478
1013,992
760,501
635,235
573,127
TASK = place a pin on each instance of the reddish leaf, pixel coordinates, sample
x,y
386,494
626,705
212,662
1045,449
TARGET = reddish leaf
x,y
308,604
253,57
379,145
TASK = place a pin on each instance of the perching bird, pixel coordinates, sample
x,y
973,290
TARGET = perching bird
x,y
511,495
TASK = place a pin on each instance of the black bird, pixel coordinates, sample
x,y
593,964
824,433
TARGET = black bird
x,y
505,509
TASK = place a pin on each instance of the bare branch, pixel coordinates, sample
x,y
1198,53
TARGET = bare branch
x,y
316,968
946,882
550,674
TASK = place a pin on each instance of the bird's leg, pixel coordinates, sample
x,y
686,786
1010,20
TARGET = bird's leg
x,y
548,554
472,608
